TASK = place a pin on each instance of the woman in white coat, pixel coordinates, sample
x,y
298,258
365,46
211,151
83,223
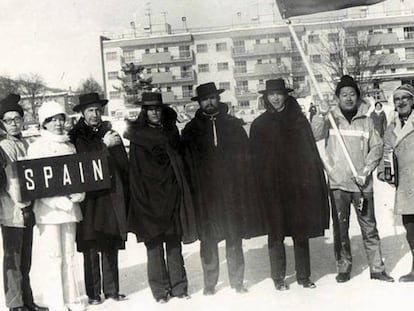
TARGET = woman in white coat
x,y
56,217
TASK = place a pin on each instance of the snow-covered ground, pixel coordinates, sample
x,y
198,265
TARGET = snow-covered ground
x,y
360,293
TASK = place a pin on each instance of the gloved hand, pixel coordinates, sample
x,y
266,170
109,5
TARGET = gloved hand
x,y
111,139
28,216
63,203
361,180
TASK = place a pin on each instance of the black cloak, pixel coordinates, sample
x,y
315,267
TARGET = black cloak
x,y
104,211
291,182
160,196
221,177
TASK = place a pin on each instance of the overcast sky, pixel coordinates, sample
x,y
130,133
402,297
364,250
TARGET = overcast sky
x,y
59,39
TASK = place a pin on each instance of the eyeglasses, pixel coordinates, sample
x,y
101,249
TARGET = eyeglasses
x,y
405,98
16,120
57,118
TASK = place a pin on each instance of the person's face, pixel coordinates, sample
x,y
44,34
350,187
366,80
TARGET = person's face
x,y
277,99
93,114
403,103
209,104
56,125
348,98
378,107
154,114
13,122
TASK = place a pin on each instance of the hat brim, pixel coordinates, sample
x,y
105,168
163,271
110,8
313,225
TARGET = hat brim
x,y
79,107
287,90
196,98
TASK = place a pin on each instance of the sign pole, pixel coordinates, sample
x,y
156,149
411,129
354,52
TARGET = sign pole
x,y
318,90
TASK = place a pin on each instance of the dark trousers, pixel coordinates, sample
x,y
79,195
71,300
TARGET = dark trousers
x,y
210,262
277,255
92,268
163,277
17,260
340,215
408,222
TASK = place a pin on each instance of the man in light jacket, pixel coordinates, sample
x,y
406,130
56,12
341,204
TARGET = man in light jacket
x,y
365,148
16,218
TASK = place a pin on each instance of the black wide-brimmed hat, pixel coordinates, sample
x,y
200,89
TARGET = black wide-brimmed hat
x,y
203,90
89,99
11,103
151,99
276,85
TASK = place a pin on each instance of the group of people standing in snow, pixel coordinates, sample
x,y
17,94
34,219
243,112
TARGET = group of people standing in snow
x,y
211,182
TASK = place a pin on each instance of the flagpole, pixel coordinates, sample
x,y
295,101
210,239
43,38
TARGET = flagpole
x,y
318,90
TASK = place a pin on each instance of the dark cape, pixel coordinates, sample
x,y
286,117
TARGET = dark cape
x,y
221,178
289,173
161,200
104,211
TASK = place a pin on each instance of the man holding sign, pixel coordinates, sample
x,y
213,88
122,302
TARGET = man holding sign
x,y
103,228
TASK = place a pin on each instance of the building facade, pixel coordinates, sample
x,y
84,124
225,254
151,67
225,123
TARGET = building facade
x,y
378,50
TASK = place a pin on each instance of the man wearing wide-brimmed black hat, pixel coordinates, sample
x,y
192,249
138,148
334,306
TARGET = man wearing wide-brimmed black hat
x,y
291,183
216,154
161,209
103,229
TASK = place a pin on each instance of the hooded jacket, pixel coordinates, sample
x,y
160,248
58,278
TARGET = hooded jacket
x,y
362,141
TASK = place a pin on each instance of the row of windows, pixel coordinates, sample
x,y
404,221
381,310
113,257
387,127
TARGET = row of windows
x,y
203,48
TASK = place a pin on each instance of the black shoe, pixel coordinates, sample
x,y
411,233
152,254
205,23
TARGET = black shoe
x,y
343,277
307,283
381,276
35,307
407,278
183,296
19,309
209,291
281,285
241,289
116,297
95,301
162,300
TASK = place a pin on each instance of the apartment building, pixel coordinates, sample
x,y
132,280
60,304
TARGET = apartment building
x,y
240,59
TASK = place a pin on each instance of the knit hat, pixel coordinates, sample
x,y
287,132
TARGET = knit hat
x,y
405,88
50,109
10,103
347,80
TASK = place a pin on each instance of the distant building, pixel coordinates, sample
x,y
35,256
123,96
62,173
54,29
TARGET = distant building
x,y
239,60
68,99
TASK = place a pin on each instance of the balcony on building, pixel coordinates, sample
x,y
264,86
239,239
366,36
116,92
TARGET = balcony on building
x,y
168,77
261,70
164,58
245,93
261,49
172,99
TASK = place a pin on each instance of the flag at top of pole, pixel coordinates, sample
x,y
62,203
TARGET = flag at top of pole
x,y
289,8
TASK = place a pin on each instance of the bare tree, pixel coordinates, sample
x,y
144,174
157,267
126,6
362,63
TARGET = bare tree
x,y
89,85
133,83
32,85
7,86
344,52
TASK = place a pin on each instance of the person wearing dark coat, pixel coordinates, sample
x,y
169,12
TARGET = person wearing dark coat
x,y
291,182
215,147
379,118
103,229
160,209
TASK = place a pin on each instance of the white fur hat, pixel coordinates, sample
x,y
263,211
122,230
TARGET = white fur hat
x,y
50,109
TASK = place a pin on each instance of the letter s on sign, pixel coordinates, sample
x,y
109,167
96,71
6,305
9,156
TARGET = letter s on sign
x,y
28,175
